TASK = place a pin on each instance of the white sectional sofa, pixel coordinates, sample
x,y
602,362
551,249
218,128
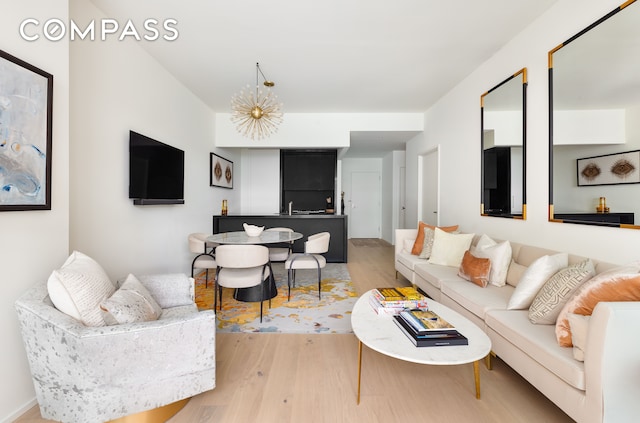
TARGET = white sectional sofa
x,y
603,388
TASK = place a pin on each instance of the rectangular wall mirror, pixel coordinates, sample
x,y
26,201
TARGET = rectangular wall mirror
x,y
503,148
594,123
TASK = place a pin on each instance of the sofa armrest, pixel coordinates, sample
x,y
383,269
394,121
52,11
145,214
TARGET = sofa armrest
x,y
170,290
612,360
402,235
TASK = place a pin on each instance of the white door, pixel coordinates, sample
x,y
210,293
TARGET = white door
x,y
402,196
364,208
430,187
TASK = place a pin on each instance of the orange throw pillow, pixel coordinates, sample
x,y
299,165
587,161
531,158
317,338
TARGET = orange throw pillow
x,y
475,269
607,286
417,245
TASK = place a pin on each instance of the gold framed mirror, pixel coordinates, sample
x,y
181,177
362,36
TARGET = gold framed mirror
x,y
503,142
594,123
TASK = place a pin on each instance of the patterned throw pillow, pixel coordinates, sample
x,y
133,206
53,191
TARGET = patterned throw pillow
x,y
78,287
555,293
427,246
131,303
475,269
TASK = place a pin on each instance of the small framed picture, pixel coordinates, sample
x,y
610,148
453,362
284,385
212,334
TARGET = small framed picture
x,y
610,169
221,172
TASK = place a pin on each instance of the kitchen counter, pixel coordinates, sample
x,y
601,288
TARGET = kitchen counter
x,y
305,223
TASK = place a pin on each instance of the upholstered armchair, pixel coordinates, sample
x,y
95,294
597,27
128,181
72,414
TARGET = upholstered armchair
x,y
94,374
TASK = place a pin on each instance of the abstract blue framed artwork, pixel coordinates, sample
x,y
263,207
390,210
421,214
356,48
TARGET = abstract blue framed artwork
x,y
26,102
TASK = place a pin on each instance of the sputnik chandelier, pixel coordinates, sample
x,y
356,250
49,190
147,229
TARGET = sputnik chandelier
x,y
256,113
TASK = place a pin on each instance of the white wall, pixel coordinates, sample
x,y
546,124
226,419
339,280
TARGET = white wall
x,y
260,181
118,87
317,130
454,123
33,242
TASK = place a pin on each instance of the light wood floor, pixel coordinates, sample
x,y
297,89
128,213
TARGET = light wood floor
x,y
313,378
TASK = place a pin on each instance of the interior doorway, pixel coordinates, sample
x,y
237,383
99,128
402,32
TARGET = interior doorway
x,y
429,186
364,206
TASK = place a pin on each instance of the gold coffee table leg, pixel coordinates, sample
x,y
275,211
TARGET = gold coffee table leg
x,y
476,374
359,368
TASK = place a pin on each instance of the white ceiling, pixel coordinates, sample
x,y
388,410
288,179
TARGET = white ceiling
x,y
336,56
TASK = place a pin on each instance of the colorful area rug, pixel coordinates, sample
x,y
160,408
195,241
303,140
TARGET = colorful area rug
x,y
304,313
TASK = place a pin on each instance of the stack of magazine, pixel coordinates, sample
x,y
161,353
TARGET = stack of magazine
x,y
396,299
426,329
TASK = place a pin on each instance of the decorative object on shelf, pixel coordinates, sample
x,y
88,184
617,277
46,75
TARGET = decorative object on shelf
x,y
256,114
26,100
602,206
252,230
221,172
225,209
609,169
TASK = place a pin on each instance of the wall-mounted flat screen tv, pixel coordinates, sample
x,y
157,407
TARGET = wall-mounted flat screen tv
x,y
156,171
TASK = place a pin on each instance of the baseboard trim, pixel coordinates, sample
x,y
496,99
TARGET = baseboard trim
x,y
20,411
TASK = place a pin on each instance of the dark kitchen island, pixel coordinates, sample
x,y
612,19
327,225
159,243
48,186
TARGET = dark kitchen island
x,y
306,224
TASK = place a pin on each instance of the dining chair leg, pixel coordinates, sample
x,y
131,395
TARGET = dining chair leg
x,y
261,299
319,279
206,275
289,284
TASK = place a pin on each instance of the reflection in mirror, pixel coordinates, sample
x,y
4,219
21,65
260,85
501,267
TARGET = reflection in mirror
x,y
503,141
594,116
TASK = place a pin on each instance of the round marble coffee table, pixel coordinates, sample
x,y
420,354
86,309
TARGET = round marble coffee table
x,y
381,334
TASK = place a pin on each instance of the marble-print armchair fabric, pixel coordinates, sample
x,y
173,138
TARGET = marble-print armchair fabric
x,y
95,374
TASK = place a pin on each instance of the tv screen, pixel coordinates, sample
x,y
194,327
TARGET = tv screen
x,y
156,171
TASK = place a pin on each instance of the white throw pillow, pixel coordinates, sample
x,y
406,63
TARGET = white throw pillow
x,y
78,287
534,278
500,256
448,249
127,306
579,329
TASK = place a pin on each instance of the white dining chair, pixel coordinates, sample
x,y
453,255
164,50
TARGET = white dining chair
x,y
312,258
282,253
242,266
205,254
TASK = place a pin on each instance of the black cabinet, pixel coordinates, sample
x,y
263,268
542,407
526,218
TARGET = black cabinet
x,y
307,225
602,219
307,178
497,180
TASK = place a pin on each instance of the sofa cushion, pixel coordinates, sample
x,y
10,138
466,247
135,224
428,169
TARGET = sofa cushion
x,y
409,260
78,287
538,341
515,272
579,329
618,284
534,278
500,256
419,241
554,294
448,249
475,299
475,269
436,274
